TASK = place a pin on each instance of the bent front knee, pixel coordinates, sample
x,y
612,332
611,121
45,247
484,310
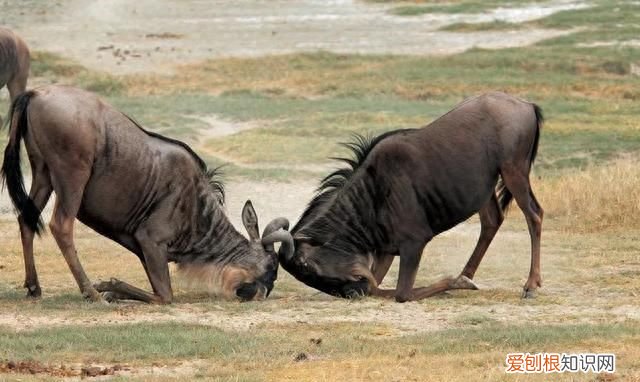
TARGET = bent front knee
x,y
159,300
403,297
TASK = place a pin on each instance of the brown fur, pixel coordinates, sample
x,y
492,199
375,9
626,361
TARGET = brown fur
x,y
404,187
15,61
149,193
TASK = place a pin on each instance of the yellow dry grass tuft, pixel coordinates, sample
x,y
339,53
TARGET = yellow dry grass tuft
x,y
600,197
487,366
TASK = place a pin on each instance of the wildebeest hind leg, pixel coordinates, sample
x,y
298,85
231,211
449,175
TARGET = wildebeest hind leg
x,y
39,193
61,226
491,218
517,183
68,183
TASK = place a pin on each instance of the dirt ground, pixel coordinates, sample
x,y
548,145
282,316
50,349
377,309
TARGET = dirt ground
x,y
121,36
158,37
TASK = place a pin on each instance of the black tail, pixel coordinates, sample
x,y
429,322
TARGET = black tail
x,y
504,196
11,170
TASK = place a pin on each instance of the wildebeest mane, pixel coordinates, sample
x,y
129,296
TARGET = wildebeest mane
x,y
360,147
212,175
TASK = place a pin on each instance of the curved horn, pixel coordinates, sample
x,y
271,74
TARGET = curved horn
x,y
275,225
285,239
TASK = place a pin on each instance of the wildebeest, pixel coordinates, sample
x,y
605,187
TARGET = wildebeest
x,y
149,193
14,62
404,187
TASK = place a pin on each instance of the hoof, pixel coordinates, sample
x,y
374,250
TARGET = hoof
x,y
92,295
528,293
109,297
106,286
463,282
33,291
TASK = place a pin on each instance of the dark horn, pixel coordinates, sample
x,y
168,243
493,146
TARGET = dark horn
x,y
286,243
275,225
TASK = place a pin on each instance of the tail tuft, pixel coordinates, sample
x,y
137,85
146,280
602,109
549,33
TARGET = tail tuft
x,y
12,172
539,122
504,196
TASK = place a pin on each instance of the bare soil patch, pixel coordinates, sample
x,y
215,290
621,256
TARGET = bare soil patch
x,y
59,370
121,36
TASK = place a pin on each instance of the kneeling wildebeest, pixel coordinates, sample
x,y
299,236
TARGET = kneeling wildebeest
x,y
404,187
14,63
151,194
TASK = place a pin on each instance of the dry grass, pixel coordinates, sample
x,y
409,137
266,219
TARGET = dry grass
x,y
536,71
600,197
304,75
446,368
590,278
461,337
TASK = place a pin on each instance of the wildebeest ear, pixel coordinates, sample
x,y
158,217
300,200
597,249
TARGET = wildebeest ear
x,y
250,220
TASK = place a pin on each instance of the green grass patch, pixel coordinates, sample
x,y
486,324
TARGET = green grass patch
x,y
582,148
51,65
302,105
148,342
618,15
123,343
473,6
61,70
481,27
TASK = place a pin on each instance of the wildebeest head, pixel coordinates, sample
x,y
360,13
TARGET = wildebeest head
x,y
336,235
328,267
266,266
251,268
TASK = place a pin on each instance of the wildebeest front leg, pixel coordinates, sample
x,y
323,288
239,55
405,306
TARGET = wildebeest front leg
x,y
410,255
115,289
491,218
381,267
155,264
380,270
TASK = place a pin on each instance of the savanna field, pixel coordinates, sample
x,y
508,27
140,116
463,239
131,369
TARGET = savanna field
x,y
271,102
